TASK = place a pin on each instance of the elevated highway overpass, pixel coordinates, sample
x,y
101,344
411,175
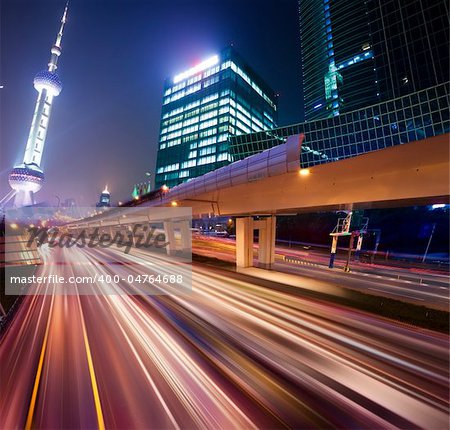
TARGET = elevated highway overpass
x,y
272,182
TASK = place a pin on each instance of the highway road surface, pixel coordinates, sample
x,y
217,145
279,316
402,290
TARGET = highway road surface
x,y
234,353
416,286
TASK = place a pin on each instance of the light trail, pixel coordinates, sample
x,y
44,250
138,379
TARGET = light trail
x,y
234,353
406,284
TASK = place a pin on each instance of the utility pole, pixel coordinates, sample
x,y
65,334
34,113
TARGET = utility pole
x,y
349,253
428,245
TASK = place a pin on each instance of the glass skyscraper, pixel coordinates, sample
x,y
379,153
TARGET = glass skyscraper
x,y
360,52
202,107
338,59
410,39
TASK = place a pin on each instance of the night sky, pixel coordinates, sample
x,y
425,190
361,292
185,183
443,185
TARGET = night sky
x,y
116,54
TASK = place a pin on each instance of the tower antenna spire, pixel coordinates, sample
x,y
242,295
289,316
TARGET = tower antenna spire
x,y
56,48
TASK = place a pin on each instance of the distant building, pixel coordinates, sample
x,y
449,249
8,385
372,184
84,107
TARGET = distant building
x,y
356,53
204,105
141,189
105,199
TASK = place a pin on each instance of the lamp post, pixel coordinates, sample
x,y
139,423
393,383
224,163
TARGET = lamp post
x,y
163,190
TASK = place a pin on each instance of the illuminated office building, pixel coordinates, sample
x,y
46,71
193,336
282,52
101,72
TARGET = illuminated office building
x,y
356,53
204,105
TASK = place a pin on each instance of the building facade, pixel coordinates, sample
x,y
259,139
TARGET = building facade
x,y
356,53
337,57
408,118
410,39
202,107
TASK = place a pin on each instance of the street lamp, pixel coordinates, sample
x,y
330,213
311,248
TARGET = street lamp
x,y
304,172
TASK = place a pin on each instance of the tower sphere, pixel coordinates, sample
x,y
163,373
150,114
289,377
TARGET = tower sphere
x,y
49,81
23,178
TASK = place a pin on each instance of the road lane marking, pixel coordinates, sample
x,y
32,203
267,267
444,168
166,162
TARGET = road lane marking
x,y
396,294
37,380
98,407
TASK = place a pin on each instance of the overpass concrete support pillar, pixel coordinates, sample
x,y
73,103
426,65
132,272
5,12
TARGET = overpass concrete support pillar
x,y
185,236
266,251
244,242
169,231
130,234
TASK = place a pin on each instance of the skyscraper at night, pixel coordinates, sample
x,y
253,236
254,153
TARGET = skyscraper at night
x,y
27,178
358,52
375,75
411,44
202,107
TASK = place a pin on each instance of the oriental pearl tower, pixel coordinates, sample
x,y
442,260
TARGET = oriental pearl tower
x,y
27,178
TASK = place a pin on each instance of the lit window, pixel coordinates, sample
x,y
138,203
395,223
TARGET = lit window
x,y
206,160
209,123
208,141
189,163
223,156
173,142
209,98
208,115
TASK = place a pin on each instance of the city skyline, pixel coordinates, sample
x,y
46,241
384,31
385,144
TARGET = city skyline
x,y
104,117
290,268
